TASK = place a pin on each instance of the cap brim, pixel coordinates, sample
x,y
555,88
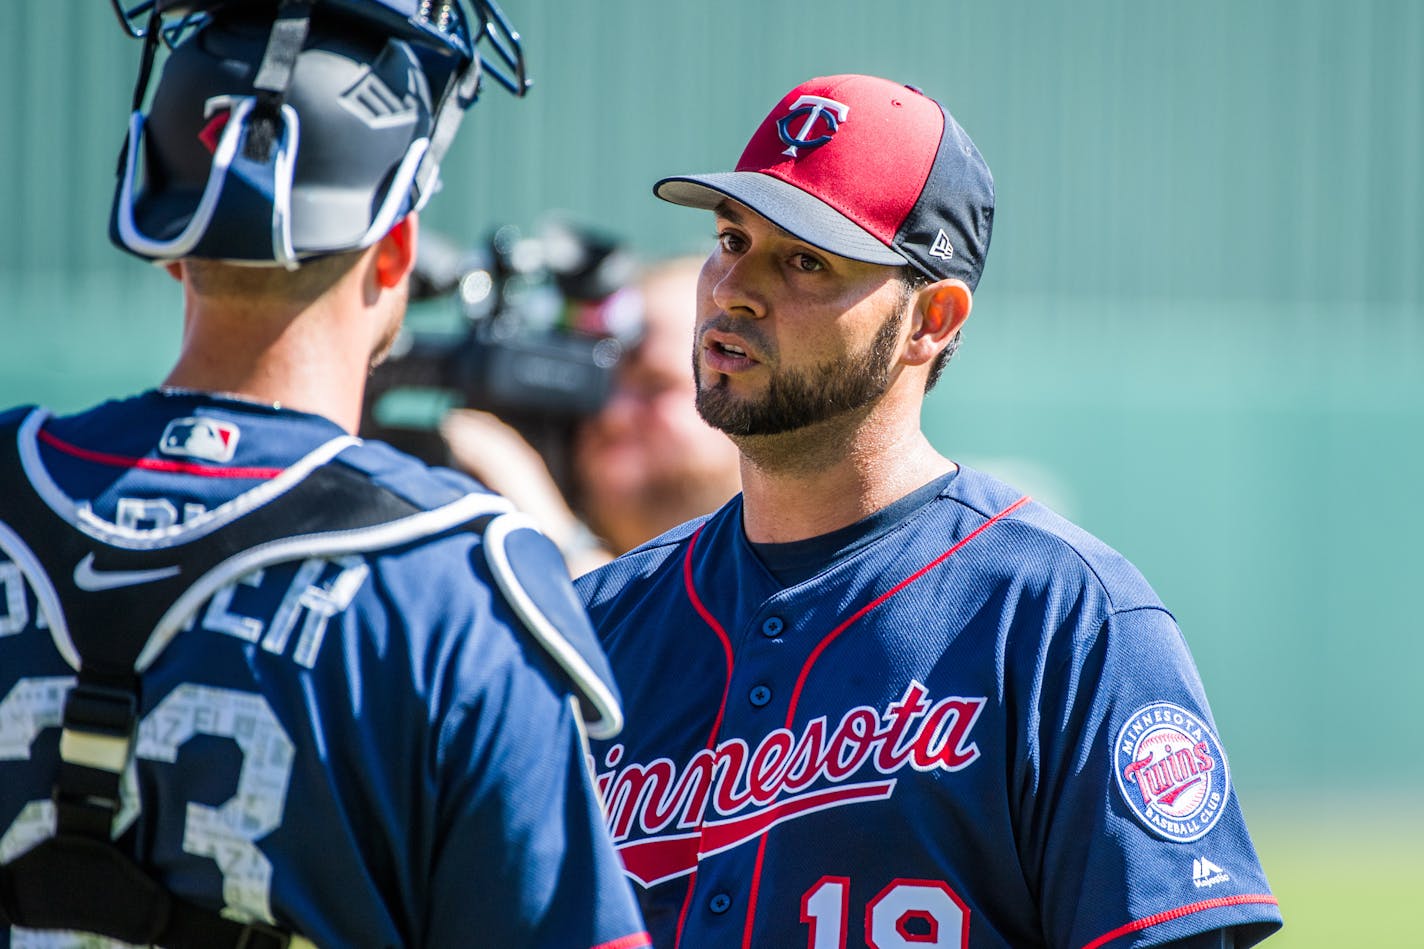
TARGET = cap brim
x,y
785,205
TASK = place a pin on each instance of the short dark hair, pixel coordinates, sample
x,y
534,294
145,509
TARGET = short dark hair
x,y
913,280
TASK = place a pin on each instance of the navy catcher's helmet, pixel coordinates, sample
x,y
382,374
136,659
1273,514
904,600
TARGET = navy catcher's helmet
x,y
283,129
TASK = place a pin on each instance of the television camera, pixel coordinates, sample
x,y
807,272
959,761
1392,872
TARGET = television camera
x,y
543,323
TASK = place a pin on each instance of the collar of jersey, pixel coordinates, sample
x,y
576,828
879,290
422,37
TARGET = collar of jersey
x,y
798,560
82,517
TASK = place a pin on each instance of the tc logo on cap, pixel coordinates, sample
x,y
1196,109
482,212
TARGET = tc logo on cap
x,y
821,114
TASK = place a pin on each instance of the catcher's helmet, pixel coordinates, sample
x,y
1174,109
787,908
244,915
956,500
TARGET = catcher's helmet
x,y
282,129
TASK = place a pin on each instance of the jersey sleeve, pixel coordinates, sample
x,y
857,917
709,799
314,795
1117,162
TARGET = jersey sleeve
x,y
523,858
1134,832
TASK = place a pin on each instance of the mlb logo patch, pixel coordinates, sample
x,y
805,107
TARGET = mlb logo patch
x,y
1171,771
205,438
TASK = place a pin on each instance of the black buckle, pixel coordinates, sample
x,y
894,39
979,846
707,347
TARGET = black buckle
x,y
86,789
84,815
101,709
262,936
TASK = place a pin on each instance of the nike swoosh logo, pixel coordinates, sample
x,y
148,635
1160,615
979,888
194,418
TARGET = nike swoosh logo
x,y
87,578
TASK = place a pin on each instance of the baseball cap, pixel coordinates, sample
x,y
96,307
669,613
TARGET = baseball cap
x,y
864,168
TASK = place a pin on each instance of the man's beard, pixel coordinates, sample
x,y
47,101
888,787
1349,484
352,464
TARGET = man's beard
x,y
797,398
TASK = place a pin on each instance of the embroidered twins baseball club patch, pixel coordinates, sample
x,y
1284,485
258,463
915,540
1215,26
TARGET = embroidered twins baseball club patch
x,y
1171,771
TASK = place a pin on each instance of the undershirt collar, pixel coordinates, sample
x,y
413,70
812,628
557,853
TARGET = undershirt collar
x,y
799,560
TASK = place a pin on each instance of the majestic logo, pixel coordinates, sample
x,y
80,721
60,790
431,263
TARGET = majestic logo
x,y
205,438
819,119
87,578
1171,771
941,247
751,790
1205,873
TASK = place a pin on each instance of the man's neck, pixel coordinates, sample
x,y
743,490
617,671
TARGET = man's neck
x,y
309,360
806,484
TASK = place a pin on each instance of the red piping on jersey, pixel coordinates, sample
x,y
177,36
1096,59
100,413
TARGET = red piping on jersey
x,y
726,641
821,647
800,682
155,464
816,653
635,941
711,621
752,893
1179,912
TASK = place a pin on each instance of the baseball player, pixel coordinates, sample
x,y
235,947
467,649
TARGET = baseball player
x,y
880,699
262,684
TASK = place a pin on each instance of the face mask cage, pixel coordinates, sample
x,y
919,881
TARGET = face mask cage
x,y
445,38
437,33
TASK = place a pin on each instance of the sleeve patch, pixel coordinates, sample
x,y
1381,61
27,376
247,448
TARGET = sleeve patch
x,y
1171,771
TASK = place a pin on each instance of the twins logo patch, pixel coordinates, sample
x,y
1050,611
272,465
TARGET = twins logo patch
x,y
205,438
1171,771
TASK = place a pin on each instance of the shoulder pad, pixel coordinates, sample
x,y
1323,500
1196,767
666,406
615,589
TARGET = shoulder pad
x,y
11,418
408,476
531,574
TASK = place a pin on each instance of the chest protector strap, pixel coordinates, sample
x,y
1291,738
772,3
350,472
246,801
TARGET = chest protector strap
x,y
78,879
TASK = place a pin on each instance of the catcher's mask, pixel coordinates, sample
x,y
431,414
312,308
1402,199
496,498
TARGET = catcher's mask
x,y
284,129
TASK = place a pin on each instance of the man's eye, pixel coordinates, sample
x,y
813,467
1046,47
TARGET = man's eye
x,y
807,264
730,242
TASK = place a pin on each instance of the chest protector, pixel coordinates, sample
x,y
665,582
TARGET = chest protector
x,y
110,633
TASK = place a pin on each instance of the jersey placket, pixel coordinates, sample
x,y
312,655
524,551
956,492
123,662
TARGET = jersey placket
x,y
717,910
773,653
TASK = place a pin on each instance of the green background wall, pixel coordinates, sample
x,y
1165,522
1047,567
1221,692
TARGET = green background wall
x,y
1200,332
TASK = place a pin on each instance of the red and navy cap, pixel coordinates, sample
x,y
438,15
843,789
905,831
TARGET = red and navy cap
x,y
864,168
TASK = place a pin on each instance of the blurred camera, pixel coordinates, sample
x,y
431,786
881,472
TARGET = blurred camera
x,y
543,321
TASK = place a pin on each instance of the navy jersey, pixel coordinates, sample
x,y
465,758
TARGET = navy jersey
x,y
367,749
976,727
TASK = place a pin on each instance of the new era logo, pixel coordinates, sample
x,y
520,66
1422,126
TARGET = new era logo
x,y
1205,873
941,247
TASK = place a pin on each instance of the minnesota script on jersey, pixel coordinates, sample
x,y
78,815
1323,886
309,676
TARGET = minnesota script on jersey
x,y
978,729
366,749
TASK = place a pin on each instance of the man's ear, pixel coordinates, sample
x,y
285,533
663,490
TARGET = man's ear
x,y
395,253
938,312
175,269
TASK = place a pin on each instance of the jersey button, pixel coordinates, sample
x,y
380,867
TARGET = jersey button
x,y
720,903
772,626
759,695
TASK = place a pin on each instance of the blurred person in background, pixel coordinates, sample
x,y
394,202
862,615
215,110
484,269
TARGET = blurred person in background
x,y
642,464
